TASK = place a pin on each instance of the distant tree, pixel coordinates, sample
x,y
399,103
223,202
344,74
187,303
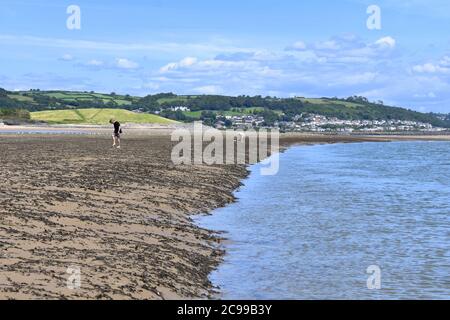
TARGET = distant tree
x,y
270,117
112,104
14,114
208,118
358,99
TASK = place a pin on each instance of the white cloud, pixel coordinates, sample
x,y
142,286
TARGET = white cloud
x,y
445,61
186,62
67,57
297,46
123,63
341,66
210,46
119,63
430,68
211,89
95,63
191,64
327,45
151,85
354,79
386,42
345,49
344,64
429,95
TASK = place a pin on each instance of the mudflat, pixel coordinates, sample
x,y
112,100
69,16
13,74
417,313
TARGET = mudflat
x,y
122,217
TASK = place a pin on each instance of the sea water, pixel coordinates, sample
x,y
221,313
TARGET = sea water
x,y
334,214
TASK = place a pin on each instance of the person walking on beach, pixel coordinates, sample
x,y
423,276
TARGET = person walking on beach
x,y
116,133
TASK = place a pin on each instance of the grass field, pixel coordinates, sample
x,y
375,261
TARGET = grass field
x,y
21,98
68,96
320,102
73,96
97,116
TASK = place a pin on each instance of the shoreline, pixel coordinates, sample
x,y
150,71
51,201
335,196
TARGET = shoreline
x,y
131,229
162,129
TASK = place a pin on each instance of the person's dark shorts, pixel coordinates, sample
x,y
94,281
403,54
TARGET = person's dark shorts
x,y
116,134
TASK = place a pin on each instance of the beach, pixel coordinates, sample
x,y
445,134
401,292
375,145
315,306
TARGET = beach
x,y
122,217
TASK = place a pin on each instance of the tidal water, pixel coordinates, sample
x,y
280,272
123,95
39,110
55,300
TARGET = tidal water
x,y
43,131
312,230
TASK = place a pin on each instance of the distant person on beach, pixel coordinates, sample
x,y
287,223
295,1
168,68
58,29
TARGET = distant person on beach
x,y
116,133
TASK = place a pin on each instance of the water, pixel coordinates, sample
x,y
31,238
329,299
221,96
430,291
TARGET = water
x,y
312,231
43,131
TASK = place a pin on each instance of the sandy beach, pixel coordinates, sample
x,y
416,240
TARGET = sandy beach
x,y
123,217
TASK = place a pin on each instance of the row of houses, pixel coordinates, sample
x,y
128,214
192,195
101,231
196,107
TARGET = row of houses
x,y
319,123
242,122
176,108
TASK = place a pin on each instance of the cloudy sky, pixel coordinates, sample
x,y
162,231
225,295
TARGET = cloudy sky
x,y
267,47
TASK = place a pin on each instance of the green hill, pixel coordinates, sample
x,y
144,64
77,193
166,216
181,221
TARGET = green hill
x,y
71,97
36,100
97,116
352,108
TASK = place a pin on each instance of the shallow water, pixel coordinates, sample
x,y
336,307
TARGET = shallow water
x,y
44,131
312,231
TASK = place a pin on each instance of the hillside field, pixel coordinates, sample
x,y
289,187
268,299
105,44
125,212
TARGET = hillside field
x,y
97,116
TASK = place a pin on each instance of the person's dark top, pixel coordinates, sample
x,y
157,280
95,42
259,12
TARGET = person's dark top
x,y
116,127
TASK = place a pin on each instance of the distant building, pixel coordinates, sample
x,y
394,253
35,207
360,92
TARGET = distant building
x,y
180,108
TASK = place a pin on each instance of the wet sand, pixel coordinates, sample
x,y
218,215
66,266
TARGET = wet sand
x,y
121,216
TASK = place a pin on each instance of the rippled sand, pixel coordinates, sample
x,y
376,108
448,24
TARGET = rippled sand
x,y
119,215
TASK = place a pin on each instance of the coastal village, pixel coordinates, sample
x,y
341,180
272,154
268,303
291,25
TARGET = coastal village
x,y
319,123
307,122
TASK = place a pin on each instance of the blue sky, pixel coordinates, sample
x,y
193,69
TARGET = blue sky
x,y
267,47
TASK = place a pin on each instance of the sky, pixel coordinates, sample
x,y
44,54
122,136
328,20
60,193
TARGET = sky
x,y
282,48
